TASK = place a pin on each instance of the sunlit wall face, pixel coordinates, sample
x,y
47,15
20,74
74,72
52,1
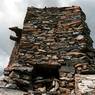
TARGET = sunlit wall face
x,y
88,7
12,13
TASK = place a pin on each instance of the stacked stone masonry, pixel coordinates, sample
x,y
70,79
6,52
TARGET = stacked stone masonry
x,y
52,47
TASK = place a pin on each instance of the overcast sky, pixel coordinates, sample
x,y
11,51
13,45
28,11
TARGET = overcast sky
x,y
12,13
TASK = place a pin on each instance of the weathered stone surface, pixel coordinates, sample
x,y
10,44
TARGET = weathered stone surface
x,y
85,84
4,91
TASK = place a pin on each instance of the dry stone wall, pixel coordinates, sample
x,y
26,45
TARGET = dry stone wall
x,y
52,47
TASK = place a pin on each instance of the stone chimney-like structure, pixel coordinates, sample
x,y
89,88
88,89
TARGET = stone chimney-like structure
x,y
53,48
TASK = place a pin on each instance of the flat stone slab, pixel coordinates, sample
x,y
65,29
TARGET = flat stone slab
x,y
5,91
85,84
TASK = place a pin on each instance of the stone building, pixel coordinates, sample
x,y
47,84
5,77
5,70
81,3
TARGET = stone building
x,y
51,53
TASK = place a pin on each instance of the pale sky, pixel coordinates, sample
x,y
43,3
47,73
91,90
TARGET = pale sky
x,y
12,13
